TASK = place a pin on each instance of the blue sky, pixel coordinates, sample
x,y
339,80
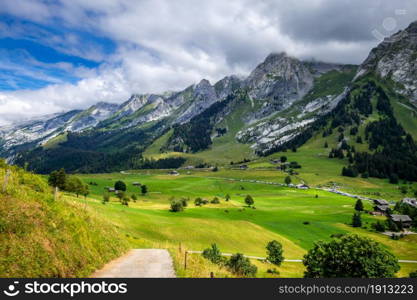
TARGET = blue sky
x,y
60,55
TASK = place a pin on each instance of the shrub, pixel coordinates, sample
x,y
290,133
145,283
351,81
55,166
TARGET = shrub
x,y
227,198
144,189
306,223
125,200
120,195
198,201
274,252
215,200
249,200
134,197
176,205
413,274
213,254
240,265
120,186
378,226
184,202
273,271
350,256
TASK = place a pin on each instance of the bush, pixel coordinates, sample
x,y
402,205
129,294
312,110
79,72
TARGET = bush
x,y
378,226
176,205
120,195
240,265
249,200
306,223
274,252
215,200
197,201
272,271
213,254
227,198
134,197
120,186
413,274
350,256
144,189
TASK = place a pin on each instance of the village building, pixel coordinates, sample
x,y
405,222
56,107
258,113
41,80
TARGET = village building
x,y
302,186
410,201
243,167
137,184
403,220
380,202
174,173
110,190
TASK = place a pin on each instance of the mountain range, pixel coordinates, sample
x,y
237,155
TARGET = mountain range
x,y
280,105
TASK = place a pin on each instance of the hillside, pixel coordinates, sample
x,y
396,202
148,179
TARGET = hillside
x,y
40,237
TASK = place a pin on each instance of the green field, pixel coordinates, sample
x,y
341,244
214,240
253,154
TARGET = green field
x,y
280,214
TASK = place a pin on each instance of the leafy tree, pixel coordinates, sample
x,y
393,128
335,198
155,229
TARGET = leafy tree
x,y
120,186
213,254
58,179
176,205
413,274
326,145
287,180
356,220
227,197
283,159
75,185
85,190
274,252
120,195
144,189
249,200
240,265
134,197
215,169
350,256
359,205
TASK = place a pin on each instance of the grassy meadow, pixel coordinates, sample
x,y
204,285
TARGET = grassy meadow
x,y
296,218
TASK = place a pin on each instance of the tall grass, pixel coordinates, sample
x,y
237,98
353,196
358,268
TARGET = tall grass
x,y
43,237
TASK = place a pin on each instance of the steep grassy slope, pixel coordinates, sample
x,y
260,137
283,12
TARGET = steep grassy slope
x,y
40,237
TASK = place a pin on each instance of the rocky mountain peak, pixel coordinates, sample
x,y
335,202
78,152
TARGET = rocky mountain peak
x,y
396,58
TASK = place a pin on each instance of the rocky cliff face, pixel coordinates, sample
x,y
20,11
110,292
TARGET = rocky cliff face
x,y
278,82
396,58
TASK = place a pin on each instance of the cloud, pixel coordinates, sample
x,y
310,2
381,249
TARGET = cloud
x,y
163,45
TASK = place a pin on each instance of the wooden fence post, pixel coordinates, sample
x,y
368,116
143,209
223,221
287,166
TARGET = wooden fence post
x,y
179,247
185,260
211,275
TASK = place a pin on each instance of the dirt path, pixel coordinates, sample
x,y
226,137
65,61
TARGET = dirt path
x,y
139,263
